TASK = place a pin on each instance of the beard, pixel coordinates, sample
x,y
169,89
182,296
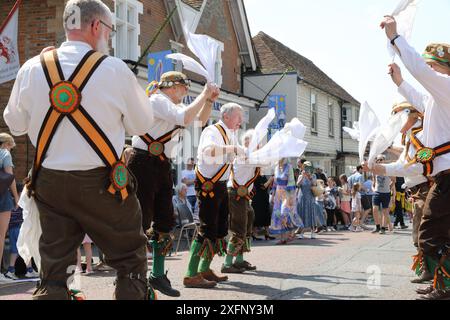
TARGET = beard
x,y
103,46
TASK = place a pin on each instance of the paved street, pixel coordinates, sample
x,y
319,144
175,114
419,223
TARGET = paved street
x,y
334,266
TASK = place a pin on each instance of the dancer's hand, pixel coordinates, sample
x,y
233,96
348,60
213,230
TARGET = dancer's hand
x,y
390,26
396,74
215,94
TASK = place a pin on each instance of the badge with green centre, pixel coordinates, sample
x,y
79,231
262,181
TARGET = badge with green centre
x,y
65,97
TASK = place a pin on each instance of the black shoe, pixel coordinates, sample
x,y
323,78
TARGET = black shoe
x,y
404,227
232,269
163,285
244,265
256,238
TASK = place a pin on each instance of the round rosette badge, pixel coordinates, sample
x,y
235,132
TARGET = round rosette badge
x,y
156,148
425,155
65,97
119,176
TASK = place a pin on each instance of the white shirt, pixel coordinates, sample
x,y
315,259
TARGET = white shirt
x,y
112,97
413,174
189,175
210,166
167,115
435,104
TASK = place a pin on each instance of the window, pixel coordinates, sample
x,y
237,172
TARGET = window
x,y
313,112
330,119
347,117
126,41
357,114
218,77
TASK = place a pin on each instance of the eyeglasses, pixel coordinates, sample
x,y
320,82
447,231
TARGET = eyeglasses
x,y
113,31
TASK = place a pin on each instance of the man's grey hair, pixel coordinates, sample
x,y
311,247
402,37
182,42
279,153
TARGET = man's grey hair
x,y
79,14
229,108
179,187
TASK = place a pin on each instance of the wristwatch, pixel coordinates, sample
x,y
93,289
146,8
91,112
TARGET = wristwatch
x,y
395,38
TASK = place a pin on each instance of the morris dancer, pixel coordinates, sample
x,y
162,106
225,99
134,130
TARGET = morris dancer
x,y
240,193
151,164
216,153
414,178
432,71
79,140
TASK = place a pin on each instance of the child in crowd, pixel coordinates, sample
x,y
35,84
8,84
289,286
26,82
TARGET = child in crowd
x,y
87,245
356,208
331,204
345,200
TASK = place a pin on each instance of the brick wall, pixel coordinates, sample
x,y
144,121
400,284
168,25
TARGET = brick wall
x,y
216,22
40,25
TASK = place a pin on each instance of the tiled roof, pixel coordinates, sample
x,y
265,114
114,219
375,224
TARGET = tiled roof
x,y
274,57
196,4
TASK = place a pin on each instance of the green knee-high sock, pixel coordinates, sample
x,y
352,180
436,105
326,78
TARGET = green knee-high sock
x,y
158,260
240,258
194,259
447,269
229,258
433,264
205,265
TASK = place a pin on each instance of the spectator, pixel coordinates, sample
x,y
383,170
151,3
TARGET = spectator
x,y
345,200
331,204
320,175
180,202
356,208
285,219
307,207
261,206
87,245
319,191
6,201
381,200
400,203
366,199
188,178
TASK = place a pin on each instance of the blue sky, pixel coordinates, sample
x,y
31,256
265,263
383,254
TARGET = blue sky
x,y
343,38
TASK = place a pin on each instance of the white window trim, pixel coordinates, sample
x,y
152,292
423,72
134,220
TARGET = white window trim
x,y
139,11
331,124
316,111
219,75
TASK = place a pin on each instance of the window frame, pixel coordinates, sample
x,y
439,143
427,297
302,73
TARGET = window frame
x,y
331,125
129,48
314,112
